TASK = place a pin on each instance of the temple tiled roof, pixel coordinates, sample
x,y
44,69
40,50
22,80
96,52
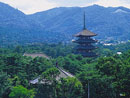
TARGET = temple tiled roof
x,y
63,74
33,55
85,32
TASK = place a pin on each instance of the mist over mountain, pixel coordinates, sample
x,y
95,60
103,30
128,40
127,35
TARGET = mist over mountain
x,y
59,24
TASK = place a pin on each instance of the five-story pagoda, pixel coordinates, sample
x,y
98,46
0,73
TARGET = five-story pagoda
x,y
84,41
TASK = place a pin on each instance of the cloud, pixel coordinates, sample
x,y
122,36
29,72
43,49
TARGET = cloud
x,y
114,3
72,2
32,6
106,3
126,1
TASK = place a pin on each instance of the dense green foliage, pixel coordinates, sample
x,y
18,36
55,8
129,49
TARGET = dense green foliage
x,y
56,50
21,92
107,75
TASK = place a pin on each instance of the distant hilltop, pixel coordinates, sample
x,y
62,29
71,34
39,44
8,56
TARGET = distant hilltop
x,y
59,24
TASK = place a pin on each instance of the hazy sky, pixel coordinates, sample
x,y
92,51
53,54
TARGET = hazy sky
x,y
32,6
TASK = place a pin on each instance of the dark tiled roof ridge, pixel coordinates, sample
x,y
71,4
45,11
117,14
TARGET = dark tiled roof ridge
x,y
63,71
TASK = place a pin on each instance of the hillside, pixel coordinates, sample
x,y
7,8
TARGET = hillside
x,y
17,28
59,24
108,22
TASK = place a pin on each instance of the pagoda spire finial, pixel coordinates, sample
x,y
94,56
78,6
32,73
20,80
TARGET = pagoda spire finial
x,y
84,22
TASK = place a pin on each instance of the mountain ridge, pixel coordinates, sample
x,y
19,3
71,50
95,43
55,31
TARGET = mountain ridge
x,y
98,17
59,24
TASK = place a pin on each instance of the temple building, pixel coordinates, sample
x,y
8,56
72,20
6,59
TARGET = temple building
x,y
85,42
63,74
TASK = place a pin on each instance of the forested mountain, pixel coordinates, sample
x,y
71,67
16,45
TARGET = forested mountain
x,y
17,28
59,24
108,22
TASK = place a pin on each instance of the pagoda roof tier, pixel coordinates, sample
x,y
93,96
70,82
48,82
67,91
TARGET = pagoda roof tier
x,y
88,54
85,41
86,33
85,47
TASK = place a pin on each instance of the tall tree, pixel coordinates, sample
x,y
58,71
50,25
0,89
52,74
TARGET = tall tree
x,y
21,92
